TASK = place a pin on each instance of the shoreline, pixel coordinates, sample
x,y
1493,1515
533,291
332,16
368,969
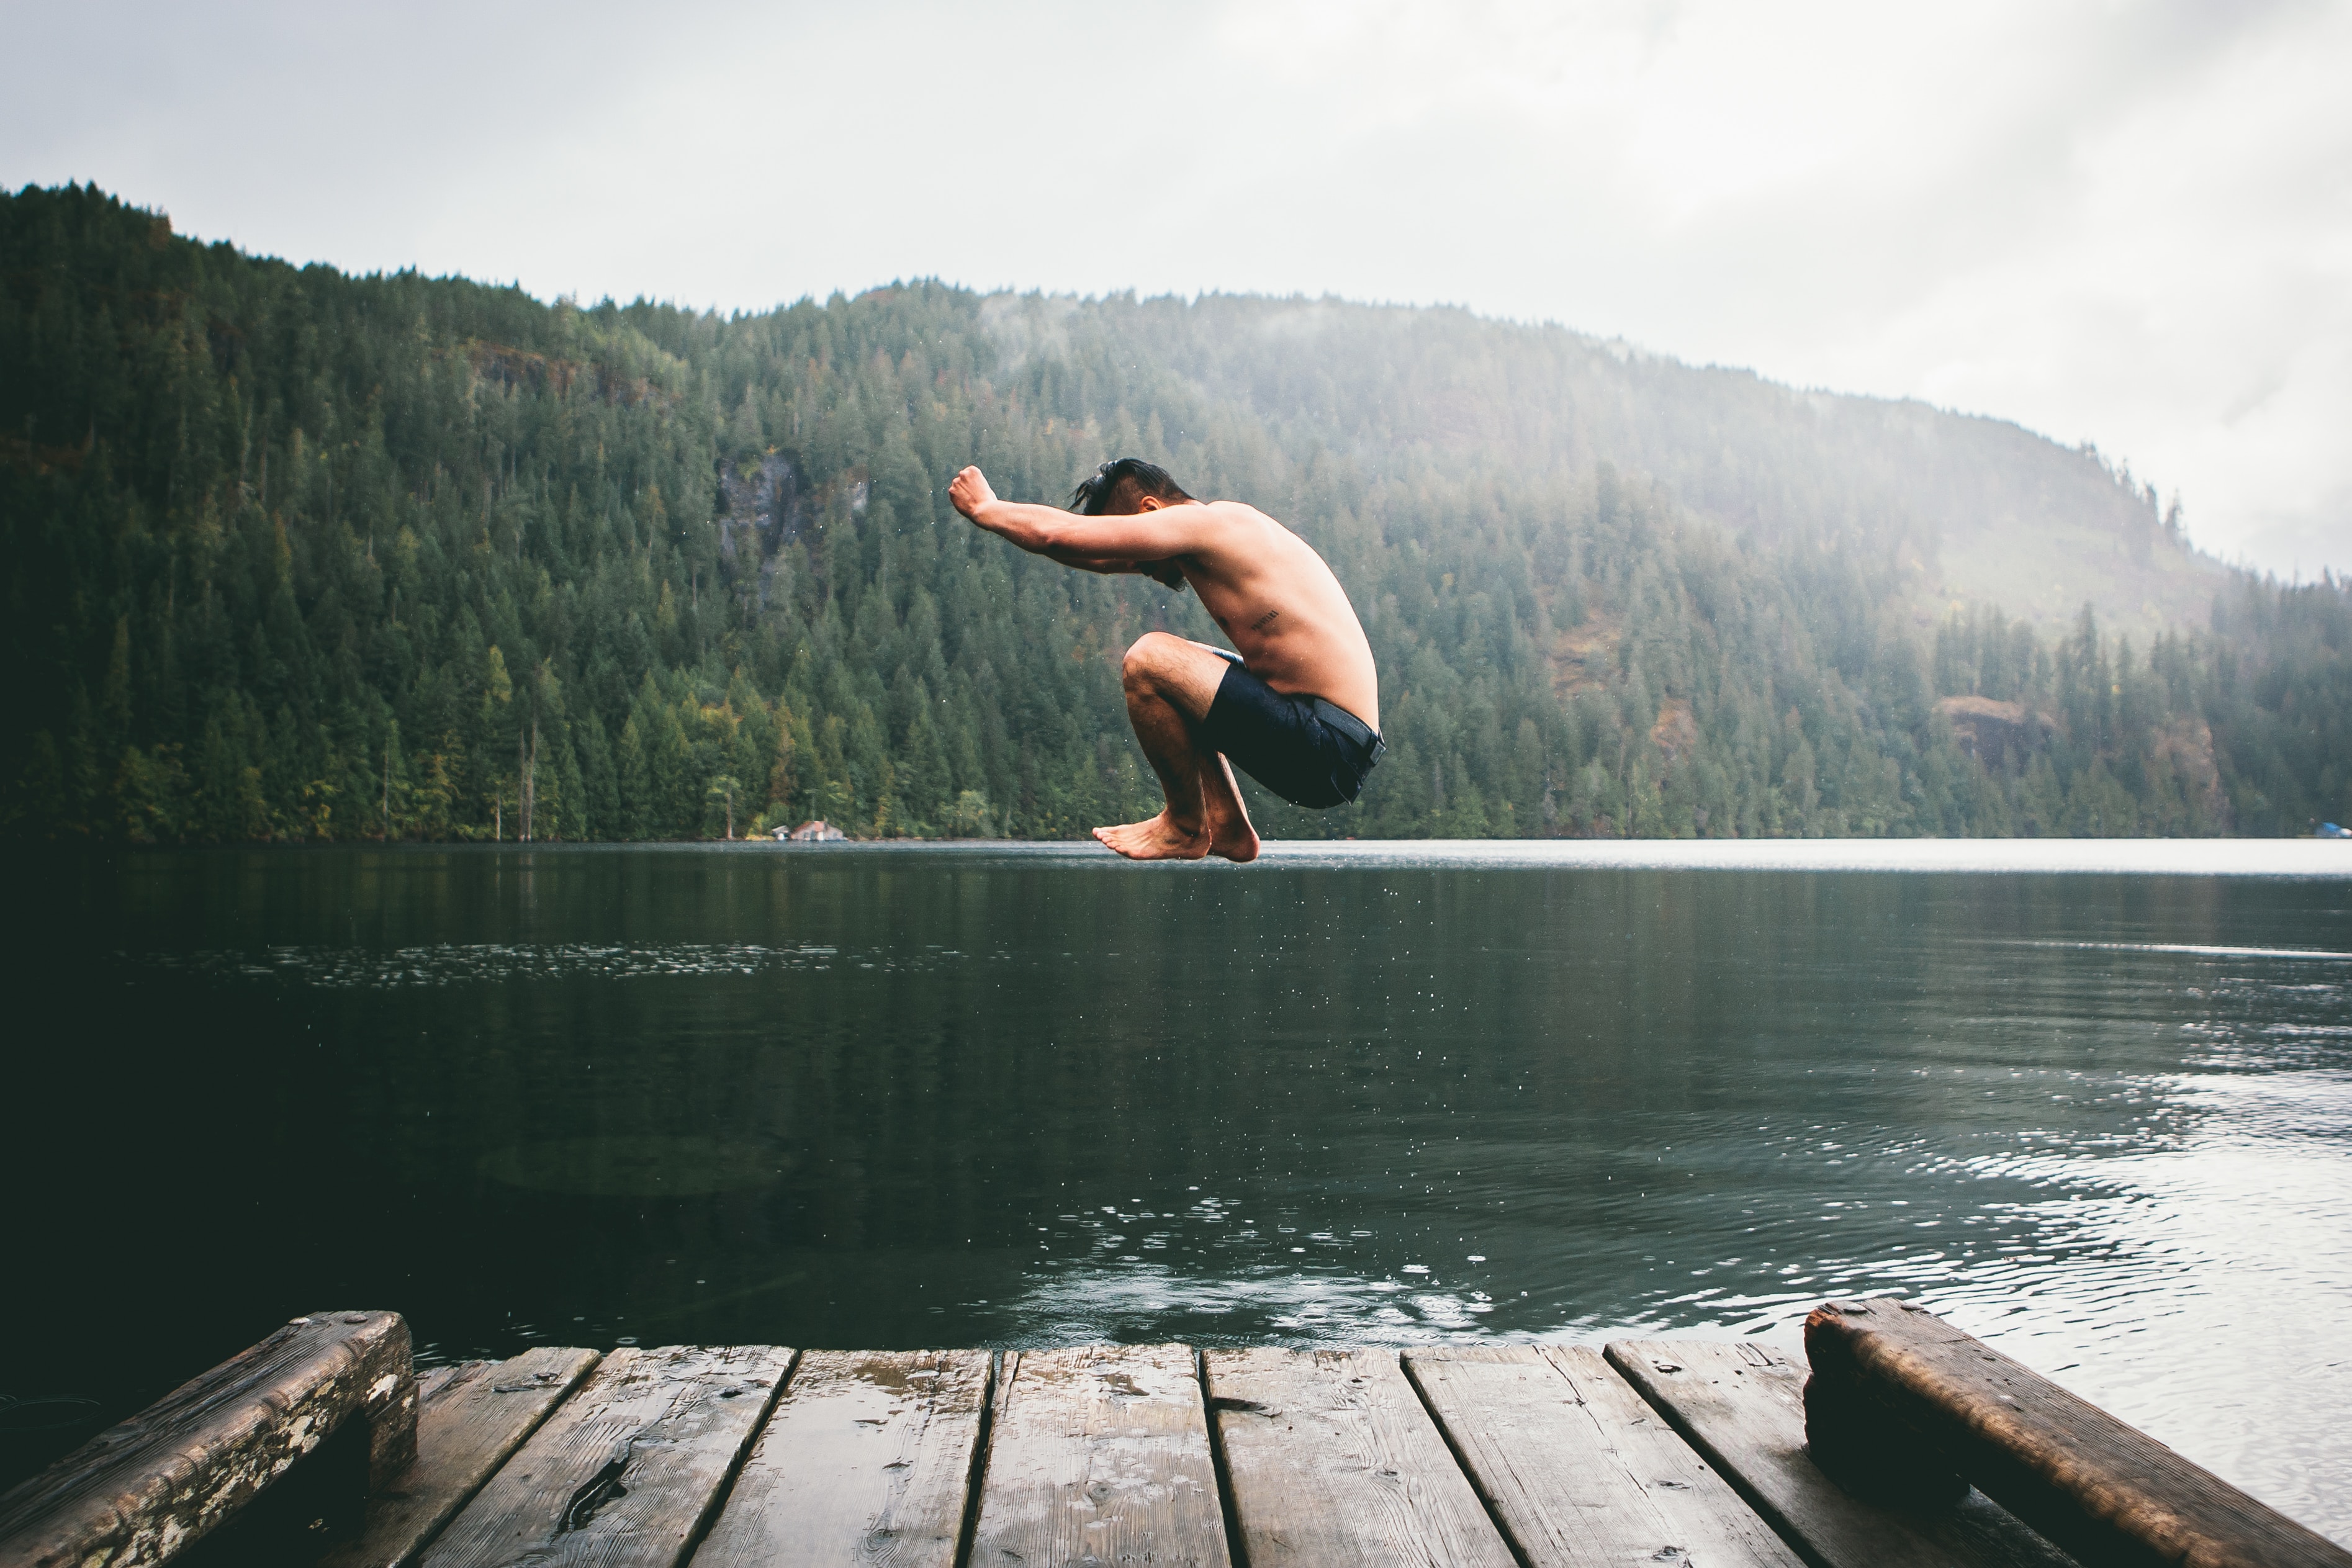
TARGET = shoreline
x,y
2203,858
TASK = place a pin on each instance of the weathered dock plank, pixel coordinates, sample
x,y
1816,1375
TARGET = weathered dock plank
x,y
867,1459
1742,1407
1487,1457
624,1472
1333,1459
1581,1470
141,1490
473,1416
2107,1491
1099,1456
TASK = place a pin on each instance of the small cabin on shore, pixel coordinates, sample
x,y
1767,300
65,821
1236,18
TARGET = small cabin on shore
x,y
811,832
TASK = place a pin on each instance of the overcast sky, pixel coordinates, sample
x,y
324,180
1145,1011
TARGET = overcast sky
x,y
2124,222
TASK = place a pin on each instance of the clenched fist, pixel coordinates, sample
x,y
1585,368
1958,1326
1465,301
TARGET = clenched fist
x,y
969,492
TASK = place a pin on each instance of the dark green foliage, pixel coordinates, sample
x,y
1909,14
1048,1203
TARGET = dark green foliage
x,y
292,555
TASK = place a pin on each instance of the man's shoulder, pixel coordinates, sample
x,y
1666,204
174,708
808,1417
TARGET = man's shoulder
x,y
1236,514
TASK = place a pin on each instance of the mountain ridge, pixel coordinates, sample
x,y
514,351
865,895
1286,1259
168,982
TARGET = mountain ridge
x,y
2072,530
290,554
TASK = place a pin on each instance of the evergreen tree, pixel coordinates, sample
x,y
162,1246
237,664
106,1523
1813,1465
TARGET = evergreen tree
x,y
292,555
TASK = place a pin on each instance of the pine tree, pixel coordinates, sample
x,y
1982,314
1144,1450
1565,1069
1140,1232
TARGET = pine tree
x,y
292,555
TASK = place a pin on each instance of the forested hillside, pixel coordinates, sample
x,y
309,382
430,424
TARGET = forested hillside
x,y
295,555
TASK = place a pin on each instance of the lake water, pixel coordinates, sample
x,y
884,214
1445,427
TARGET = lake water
x,y
2094,1101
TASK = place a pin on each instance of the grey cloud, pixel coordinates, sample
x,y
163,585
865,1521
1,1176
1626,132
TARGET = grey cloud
x,y
2117,223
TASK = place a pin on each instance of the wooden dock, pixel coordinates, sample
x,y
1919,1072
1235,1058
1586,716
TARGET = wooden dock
x,y
1644,1452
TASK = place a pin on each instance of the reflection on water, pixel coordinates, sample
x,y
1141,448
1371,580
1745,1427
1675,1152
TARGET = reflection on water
x,y
2203,950
2094,1105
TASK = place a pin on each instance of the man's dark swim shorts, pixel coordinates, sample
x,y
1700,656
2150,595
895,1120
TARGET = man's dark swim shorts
x,y
1310,752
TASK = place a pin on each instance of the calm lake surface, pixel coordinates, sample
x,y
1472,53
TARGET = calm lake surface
x,y
2094,1102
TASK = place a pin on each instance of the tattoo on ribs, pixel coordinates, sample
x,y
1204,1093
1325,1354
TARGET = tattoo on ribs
x,y
1264,621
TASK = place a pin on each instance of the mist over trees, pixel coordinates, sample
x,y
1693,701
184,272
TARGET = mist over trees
x,y
296,555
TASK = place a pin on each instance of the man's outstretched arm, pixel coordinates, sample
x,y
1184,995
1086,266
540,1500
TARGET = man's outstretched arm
x,y
1166,572
1144,538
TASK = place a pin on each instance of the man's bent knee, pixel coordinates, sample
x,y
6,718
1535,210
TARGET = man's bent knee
x,y
1156,646
1152,654
1160,667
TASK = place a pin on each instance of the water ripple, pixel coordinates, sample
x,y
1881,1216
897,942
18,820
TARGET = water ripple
x,y
476,963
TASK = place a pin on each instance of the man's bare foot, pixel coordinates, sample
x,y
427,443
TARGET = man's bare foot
x,y
1235,840
1158,839
1230,833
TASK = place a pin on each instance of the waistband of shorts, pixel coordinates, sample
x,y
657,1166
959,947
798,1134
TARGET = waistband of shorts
x,y
1347,724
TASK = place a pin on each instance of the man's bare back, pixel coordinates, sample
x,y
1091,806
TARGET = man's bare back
x,y
1283,611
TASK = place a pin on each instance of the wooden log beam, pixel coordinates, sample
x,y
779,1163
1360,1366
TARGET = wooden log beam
x,y
1742,1407
139,1492
2108,1493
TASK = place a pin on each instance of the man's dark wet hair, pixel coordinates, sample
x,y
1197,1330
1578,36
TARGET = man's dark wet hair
x,y
1119,487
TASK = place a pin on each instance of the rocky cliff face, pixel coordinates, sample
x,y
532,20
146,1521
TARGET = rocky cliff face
x,y
1991,730
765,511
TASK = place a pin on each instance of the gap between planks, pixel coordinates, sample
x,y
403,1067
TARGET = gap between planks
x,y
629,1470
867,1458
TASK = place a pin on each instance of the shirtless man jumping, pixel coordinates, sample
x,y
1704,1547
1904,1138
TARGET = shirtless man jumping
x,y
1299,706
